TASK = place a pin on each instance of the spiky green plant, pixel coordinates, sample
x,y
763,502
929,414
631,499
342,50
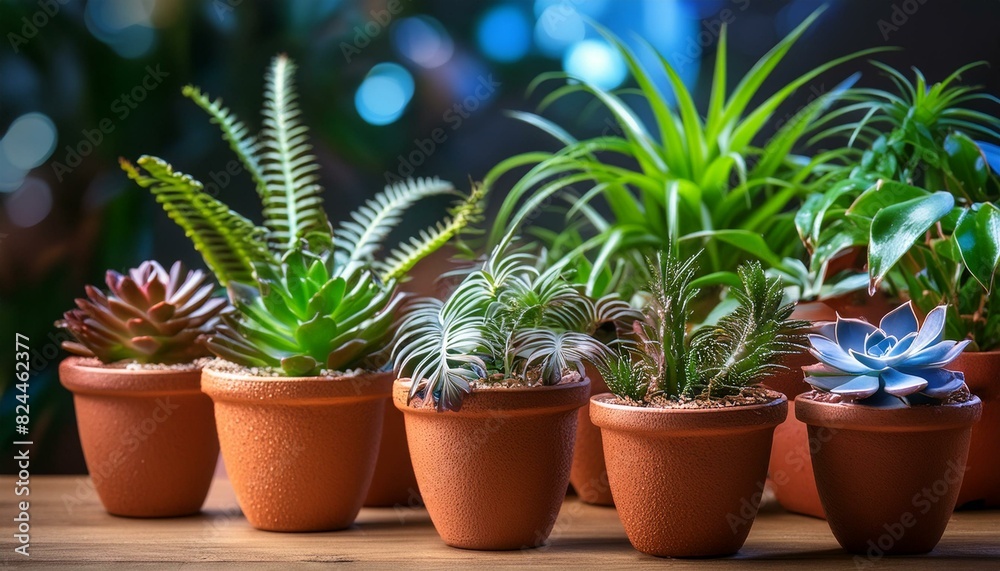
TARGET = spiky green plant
x,y
673,360
505,318
696,180
307,297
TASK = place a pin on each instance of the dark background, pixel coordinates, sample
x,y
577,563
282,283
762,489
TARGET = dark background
x,y
67,65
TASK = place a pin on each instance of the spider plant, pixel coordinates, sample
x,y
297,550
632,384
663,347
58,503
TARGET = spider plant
x,y
504,320
697,180
674,360
922,196
307,298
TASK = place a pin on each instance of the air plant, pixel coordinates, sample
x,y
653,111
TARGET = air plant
x,y
148,315
674,360
505,320
308,298
898,363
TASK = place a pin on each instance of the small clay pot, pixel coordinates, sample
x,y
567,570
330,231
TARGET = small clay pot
x,y
981,487
494,474
888,478
589,475
148,436
300,451
394,484
687,482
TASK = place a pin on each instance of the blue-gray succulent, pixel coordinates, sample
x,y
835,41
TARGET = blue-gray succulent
x,y
895,364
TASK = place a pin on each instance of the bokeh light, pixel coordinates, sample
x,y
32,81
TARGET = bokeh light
x,y
384,94
29,141
595,61
423,40
504,33
30,204
558,27
124,25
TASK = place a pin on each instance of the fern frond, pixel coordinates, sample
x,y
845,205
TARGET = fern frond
x,y
230,243
555,352
359,238
234,132
407,254
293,205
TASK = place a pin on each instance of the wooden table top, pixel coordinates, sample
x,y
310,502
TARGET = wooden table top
x,y
69,529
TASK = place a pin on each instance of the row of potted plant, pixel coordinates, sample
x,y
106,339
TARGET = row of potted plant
x,y
682,306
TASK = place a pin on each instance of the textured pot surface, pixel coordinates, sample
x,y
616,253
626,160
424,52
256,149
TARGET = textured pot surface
x,y
589,475
687,482
981,487
394,483
148,437
494,474
300,452
888,478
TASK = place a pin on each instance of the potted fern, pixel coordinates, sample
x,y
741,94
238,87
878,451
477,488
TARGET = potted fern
x,y
686,432
147,431
491,380
882,398
920,195
300,384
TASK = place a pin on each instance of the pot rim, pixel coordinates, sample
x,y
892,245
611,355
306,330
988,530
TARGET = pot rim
x,y
920,418
508,401
87,379
224,386
687,421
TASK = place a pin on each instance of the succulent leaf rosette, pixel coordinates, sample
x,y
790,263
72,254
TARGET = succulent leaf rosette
x,y
898,363
148,315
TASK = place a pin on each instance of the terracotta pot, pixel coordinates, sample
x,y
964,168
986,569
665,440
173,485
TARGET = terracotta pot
x,y
300,451
888,478
148,437
494,474
589,475
981,487
394,483
687,482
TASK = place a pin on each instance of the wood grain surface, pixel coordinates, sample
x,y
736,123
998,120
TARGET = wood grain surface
x,y
70,530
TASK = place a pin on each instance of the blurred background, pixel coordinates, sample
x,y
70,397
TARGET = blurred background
x,y
389,88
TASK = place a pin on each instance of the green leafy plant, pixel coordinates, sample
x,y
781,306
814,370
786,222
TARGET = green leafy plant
x,y
149,315
674,361
307,297
506,320
922,197
696,181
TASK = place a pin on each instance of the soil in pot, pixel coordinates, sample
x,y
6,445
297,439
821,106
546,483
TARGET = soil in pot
x,y
589,475
148,435
493,475
981,486
687,481
888,478
394,484
300,452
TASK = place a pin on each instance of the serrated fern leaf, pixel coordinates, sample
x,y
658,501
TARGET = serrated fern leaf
x,y
234,132
359,238
293,206
407,254
230,243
